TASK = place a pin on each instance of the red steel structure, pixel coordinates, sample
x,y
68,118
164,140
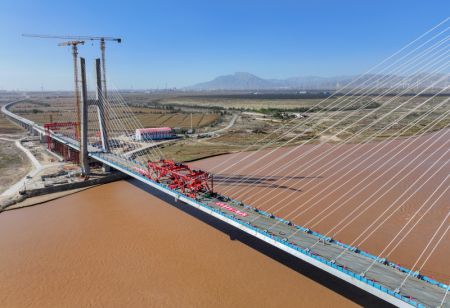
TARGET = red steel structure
x,y
180,177
64,150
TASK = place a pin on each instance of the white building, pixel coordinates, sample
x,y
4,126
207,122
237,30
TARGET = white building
x,y
154,133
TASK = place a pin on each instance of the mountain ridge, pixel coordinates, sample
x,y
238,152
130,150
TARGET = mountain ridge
x,y
248,81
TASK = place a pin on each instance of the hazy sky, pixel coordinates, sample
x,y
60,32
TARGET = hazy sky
x,y
179,43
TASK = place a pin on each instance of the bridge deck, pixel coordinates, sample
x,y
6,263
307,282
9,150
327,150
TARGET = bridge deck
x,y
387,276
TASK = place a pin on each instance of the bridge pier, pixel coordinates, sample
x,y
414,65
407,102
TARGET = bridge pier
x,y
42,138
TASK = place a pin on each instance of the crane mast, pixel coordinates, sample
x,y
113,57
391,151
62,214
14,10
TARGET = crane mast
x,y
74,45
74,41
102,48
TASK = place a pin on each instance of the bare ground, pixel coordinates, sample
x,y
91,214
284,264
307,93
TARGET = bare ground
x,y
14,164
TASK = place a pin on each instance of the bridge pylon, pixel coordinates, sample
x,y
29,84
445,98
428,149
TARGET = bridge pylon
x,y
100,103
84,159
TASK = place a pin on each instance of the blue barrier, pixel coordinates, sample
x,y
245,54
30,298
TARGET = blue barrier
x,y
351,248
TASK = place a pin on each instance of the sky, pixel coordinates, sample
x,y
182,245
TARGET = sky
x,y
176,43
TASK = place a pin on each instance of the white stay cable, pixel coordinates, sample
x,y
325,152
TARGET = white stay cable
x,y
417,155
227,161
427,246
135,119
287,200
389,90
380,254
429,127
292,162
113,123
413,226
353,193
129,129
376,221
299,146
428,209
385,158
445,296
423,215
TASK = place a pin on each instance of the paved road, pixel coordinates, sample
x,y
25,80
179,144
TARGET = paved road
x,y
37,167
230,125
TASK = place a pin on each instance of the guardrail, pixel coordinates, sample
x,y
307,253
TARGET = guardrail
x,y
348,247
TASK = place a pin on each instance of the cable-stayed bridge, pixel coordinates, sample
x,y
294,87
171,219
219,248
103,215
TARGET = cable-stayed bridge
x,y
108,123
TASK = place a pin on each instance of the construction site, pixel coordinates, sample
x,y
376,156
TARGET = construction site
x,y
350,186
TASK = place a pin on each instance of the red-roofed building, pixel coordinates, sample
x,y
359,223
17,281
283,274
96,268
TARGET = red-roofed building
x,y
154,133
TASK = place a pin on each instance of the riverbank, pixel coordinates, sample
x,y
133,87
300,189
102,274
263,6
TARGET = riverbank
x,y
42,199
30,170
40,195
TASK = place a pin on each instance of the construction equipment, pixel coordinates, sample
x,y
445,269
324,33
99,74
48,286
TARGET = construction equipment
x,y
74,45
54,126
179,177
102,40
67,152
75,40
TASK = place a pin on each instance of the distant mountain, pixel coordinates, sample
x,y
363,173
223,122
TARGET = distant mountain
x,y
237,81
247,81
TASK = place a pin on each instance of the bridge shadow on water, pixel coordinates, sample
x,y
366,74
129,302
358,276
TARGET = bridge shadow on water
x,y
327,280
259,181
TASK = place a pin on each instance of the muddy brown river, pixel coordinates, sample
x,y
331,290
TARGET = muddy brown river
x,y
119,245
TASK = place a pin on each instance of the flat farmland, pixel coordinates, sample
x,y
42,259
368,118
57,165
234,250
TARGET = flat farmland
x,y
177,119
255,104
8,127
64,111
350,119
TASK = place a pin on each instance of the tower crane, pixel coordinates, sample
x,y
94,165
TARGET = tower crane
x,y
102,40
74,42
74,45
